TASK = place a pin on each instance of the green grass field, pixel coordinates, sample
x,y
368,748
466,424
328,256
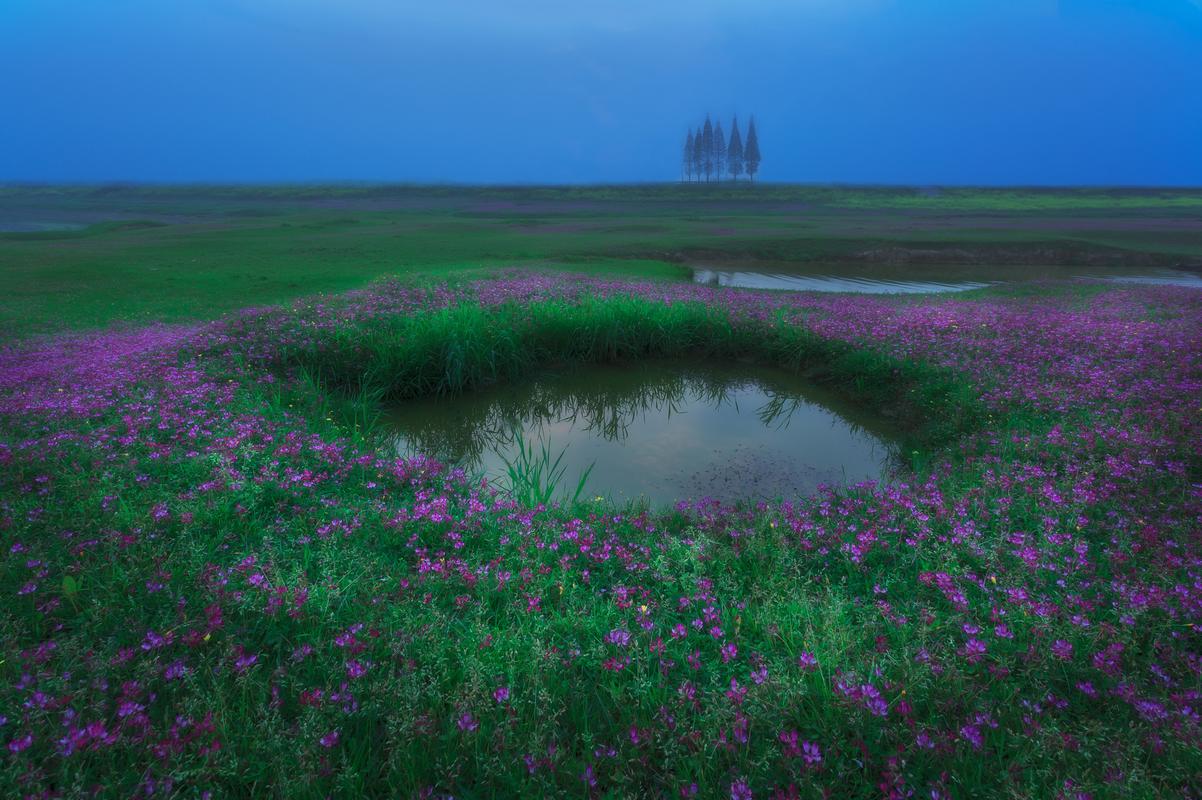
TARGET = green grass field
x,y
221,579
170,253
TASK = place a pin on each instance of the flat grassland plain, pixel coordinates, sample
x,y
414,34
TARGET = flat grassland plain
x,y
219,581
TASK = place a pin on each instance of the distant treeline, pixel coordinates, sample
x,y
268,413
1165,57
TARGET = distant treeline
x,y
708,155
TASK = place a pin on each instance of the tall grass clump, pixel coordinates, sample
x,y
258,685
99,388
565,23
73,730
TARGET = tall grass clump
x,y
537,475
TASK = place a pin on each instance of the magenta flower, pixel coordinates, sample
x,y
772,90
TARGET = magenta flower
x,y
972,735
1062,650
244,661
127,708
871,697
154,641
739,790
974,650
329,740
619,637
467,723
21,743
501,694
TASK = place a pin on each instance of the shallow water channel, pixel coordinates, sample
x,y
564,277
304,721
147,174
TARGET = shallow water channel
x,y
913,278
660,431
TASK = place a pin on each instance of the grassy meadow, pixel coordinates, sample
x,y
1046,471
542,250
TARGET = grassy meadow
x,y
169,254
220,581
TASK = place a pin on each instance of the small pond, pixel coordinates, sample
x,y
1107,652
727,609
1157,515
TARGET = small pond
x,y
659,431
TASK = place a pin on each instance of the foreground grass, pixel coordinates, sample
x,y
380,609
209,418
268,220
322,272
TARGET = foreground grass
x,y
215,585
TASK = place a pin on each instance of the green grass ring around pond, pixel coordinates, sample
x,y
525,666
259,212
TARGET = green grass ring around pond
x,y
465,347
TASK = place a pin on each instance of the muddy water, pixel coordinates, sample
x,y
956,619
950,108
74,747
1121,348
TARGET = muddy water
x,y
659,431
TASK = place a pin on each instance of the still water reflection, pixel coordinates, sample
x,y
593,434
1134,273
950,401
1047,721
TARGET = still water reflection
x,y
659,431
916,278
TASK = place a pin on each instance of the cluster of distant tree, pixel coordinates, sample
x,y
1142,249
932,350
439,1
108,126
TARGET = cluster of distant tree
x,y
708,155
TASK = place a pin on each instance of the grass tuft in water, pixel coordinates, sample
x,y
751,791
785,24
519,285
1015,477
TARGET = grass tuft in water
x,y
534,476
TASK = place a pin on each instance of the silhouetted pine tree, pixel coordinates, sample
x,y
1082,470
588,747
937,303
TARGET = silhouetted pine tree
x,y
751,153
687,166
734,151
707,149
719,151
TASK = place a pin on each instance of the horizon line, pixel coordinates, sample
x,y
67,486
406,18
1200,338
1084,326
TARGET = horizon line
x,y
387,183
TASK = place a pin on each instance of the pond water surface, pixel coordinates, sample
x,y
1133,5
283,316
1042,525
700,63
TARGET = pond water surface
x,y
659,431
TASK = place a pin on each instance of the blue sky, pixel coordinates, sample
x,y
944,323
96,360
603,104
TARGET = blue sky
x,y
550,91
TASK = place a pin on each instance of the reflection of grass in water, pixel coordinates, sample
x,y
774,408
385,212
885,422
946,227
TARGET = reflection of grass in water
x,y
779,410
513,424
607,411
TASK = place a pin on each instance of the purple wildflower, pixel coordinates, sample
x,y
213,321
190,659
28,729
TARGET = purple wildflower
x,y
619,637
